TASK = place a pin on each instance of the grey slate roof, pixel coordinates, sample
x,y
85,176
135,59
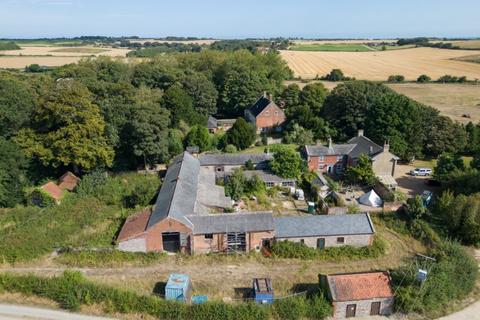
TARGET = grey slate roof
x,y
232,159
232,222
211,123
364,146
178,193
337,149
260,105
323,225
266,176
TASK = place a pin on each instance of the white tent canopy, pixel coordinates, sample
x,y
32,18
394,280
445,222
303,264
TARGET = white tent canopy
x,y
371,199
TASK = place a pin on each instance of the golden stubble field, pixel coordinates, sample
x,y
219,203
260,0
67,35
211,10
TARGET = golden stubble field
x,y
53,56
380,64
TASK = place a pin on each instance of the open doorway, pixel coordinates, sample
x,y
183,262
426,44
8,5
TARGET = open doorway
x,y
171,241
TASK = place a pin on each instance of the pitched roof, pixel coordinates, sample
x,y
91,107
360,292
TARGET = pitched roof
x,y
266,176
134,225
323,225
53,190
232,222
232,159
260,105
212,122
359,286
68,181
336,149
178,193
364,146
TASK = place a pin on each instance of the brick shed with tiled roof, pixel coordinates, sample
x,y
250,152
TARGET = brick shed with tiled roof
x,y
68,181
53,190
359,294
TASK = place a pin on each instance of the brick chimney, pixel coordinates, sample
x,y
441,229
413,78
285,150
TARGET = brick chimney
x,y
360,133
330,144
386,145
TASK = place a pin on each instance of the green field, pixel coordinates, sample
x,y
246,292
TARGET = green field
x,y
331,47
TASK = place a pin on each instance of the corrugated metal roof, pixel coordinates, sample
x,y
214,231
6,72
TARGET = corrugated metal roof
x,y
178,193
232,222
232,159
323,225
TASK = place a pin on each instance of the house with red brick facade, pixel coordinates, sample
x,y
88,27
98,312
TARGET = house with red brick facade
x,y
359,294
187,217
265,115
334,158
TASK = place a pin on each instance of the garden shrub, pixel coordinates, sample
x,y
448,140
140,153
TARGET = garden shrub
x,y
451,277
297,250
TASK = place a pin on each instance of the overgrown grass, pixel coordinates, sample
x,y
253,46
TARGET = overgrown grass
x,y
90,219
72,291
107,258
288,249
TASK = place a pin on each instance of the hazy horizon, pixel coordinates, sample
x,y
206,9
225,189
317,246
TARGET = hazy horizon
x,y
346,19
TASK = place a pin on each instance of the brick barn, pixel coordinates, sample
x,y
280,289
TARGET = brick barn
x,y
187,217
265,115
359,294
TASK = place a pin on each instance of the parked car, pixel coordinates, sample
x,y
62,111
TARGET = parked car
x,y
421,172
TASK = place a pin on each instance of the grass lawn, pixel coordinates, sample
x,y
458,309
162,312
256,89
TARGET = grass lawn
x,y
261,149
433,162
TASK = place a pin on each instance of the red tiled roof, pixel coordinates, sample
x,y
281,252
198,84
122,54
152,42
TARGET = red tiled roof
x,y
360,286
68,181
134,225
53,190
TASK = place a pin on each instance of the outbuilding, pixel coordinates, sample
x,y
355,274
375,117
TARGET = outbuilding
x,y
359,294
323,231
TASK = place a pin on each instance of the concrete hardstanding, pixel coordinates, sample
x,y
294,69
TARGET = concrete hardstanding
x,y
363,307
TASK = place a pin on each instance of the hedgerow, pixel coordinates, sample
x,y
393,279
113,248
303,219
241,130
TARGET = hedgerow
x,y
451,277
72,291
289,249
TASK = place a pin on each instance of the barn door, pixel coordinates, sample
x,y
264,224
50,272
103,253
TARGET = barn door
x,y
375,309
351,310
320,243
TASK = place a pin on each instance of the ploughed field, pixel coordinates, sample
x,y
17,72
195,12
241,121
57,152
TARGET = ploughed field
x,y
379,65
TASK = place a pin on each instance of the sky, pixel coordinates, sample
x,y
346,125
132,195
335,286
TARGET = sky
x,y
224,19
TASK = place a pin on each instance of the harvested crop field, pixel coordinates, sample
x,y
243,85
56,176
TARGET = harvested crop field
x,y
379,65
66,51
453,100
21,62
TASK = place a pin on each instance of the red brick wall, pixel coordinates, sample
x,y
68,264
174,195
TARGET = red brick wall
x,y
154,234
271,116
314,162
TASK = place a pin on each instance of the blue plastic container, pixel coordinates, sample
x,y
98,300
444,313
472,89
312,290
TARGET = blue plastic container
x,y
262,291
178,288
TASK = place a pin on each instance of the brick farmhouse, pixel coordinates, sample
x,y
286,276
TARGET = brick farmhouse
x,y
359,294
265,115
335,158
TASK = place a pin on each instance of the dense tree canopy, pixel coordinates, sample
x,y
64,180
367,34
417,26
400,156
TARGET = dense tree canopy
x,y
241,135
67,130
286,163
13,173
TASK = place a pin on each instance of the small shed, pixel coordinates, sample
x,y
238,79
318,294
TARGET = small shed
x,y
178,288
262,290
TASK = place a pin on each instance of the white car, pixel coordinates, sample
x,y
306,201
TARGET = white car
x,y
421,172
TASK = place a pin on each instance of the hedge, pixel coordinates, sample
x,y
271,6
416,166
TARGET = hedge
x,y
72,291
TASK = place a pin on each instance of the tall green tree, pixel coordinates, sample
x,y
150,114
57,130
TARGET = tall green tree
x,y
181,106
13,173
17,101
313,95
286,163
67,130
291,95
447,163
149,128
241,134
199,136
361,172
202,91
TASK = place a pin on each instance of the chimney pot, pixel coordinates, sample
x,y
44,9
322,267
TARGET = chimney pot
x,y
330,145
360,133
386,145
